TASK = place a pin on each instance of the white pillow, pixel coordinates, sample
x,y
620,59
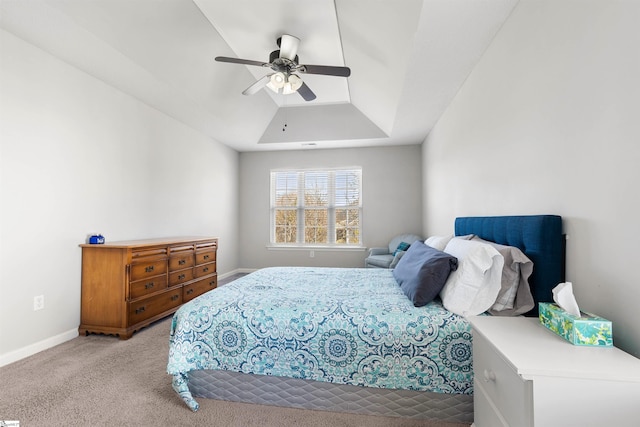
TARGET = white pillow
x,y
438,242
473,288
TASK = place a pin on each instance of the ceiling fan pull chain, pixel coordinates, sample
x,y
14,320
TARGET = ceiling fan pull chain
x,y
284,106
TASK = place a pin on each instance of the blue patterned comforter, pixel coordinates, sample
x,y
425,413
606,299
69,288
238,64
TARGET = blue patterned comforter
x,y
340,325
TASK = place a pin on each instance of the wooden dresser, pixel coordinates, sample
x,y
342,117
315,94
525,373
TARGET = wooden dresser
x,y
129,284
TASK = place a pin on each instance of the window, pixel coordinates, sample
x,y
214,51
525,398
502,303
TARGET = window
x,y
316,207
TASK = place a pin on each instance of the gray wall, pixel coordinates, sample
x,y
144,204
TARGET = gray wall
x,y
392,201
548,123
78,156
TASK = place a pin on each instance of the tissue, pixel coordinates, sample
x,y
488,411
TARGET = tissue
x,y
563,296
565,319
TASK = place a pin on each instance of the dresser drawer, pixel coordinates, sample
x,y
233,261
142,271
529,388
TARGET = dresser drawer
x,y
151,252
143,269
146,286
181,261
181,276
485,414
501,385
195,289
207,244
205,256
149,307
205,269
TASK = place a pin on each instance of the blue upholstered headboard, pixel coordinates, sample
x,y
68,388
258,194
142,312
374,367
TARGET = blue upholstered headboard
x,y
538,236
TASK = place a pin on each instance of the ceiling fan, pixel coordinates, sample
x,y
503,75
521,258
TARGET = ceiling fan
x,y
284,63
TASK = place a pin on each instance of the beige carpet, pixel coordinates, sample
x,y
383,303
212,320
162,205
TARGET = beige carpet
x,y
100,380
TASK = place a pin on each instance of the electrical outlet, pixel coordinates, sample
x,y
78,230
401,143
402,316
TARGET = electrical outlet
x,y
311,254
38,302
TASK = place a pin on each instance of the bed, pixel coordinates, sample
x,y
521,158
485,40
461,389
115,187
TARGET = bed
x,y
346,339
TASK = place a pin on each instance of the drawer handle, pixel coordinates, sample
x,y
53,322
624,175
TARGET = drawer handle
x,y
204,270
212,283
148,285
174,297
149,269
180,277
181,262
190,291
489,375
140,310
206,257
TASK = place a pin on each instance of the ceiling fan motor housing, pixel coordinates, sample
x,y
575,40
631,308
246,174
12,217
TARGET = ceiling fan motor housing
x,y
276,54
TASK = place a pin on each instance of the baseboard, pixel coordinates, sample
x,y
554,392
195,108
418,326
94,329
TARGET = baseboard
x,y
32,349
236,271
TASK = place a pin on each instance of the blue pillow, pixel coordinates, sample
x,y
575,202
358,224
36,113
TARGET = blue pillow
x,y
403,246
423,271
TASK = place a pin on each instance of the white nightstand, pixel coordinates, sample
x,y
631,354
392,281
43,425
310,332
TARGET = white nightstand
x,y
525,375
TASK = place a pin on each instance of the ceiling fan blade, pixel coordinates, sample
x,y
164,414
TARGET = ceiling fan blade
x,y
289,46
306,93
326,70
241,61
259,84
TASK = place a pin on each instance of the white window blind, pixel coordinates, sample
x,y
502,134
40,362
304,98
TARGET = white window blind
x,y
316,207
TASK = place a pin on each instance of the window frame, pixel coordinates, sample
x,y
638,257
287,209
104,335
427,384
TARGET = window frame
x,y
331,207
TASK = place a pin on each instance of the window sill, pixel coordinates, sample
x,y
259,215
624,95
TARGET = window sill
x,y
315,248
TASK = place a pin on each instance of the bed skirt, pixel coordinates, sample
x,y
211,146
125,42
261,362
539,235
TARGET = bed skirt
x,y
307,394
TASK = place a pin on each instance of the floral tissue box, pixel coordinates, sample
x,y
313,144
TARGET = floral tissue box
x,y
588,329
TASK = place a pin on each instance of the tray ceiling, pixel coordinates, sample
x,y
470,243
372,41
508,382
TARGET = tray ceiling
x,y
407,58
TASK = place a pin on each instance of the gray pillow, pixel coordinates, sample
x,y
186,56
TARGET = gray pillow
x,y
515,296
422,272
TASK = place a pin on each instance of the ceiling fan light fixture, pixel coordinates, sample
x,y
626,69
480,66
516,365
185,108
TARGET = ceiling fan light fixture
x,y
287,89
293,84
277,82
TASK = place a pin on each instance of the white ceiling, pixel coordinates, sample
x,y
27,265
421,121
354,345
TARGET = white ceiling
x,y
408,58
